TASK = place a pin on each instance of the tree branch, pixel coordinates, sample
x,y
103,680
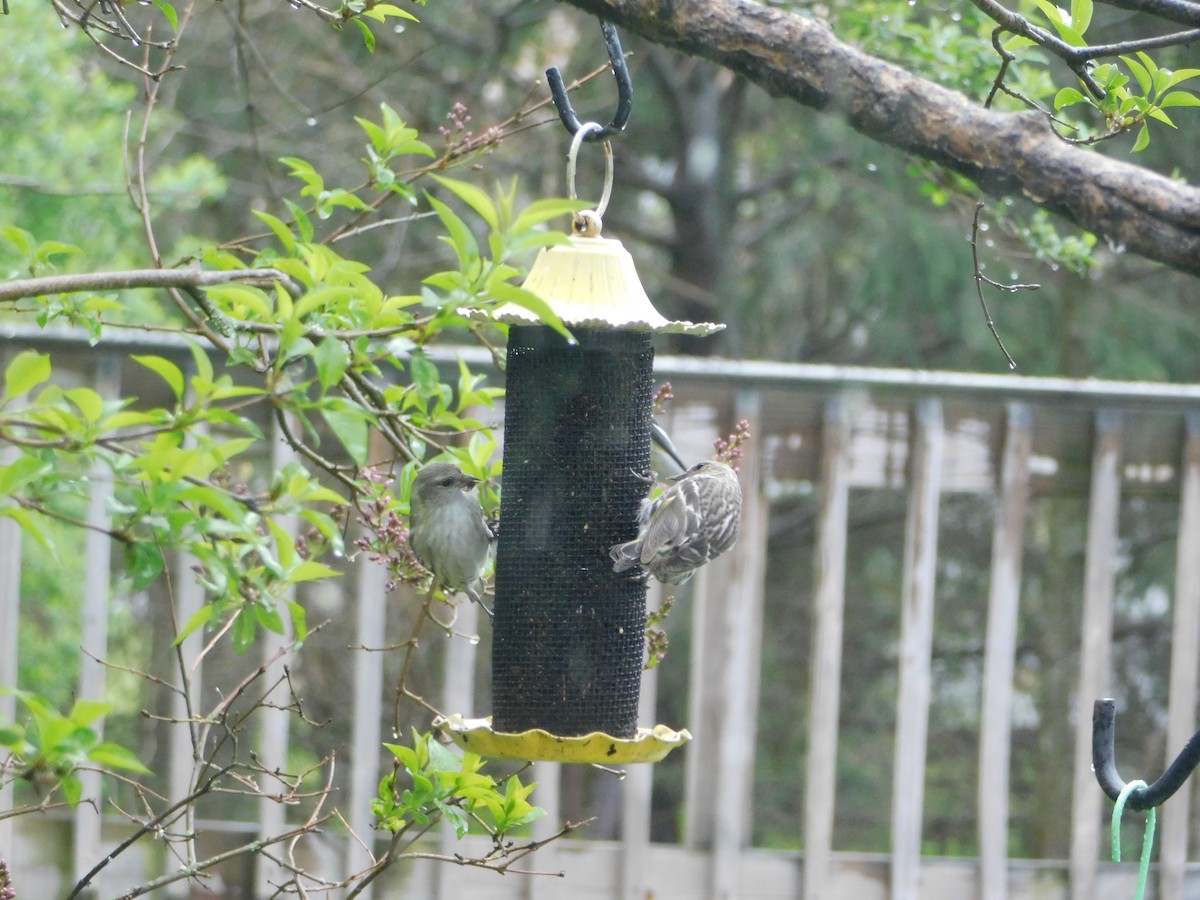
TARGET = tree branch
x,y
1183,12
133,278
1005,153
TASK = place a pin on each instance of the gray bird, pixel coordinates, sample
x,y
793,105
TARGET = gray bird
x,y
447,529
694,520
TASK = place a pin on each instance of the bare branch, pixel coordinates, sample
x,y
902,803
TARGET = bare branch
x,y
133,278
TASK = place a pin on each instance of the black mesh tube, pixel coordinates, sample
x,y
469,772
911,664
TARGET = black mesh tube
x,y
568,631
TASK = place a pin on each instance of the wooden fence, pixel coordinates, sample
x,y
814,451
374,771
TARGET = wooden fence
x,y
819,431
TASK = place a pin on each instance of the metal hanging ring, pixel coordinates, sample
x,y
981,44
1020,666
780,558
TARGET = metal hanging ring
x,y
616,58
588,222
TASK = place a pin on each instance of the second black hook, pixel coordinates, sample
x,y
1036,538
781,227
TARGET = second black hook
x,y
558,91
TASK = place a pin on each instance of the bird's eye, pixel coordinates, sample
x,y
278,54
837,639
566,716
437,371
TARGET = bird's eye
x,y
446,482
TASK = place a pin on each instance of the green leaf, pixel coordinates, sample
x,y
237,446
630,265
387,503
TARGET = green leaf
x,y
304,224
242,632
1156,113
88,402
1058,18
382,11
143,562
510,293
72,789
27,370
311,570
1143,140
114,756
331,358
314,184
1145,82
85,712
19,238
368,35
21,472
170,372
47,249
199,619
13,737
1179,98
299,621
460,237
473,197
169,12
424,375
268,617
350,424
1178,76
540,211
276,225
1081,15
1068,96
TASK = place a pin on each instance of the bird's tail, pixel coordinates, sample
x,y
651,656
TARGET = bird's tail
x,y
625,556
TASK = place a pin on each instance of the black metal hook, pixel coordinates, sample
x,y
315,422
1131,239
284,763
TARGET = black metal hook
x,y
1104,731
558,91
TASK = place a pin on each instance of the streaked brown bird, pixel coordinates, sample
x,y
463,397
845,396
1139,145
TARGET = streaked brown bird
x,y
694,520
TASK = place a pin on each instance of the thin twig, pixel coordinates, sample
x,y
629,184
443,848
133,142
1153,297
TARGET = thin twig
x,y
981,279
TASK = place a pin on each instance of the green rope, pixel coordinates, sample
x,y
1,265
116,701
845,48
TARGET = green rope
x,y
1147,838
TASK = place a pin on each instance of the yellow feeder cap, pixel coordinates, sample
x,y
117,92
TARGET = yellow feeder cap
x,y
476,735
591,282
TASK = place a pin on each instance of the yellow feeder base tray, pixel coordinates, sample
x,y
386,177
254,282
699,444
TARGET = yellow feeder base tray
x,y
476,735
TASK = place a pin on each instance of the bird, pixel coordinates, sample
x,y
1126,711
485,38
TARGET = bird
x,y
694,520
447,529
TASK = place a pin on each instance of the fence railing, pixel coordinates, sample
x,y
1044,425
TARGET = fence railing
x,y
824,436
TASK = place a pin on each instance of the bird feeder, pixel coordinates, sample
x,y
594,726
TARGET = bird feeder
x,y
569,633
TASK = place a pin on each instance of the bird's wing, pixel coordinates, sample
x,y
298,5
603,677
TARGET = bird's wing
x,y
668,524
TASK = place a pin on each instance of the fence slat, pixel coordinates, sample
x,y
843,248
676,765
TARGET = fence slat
x,y
637,788
704,710
371,600
10,610
1185,666
187,597
458,696
916,644
995,739
1104,505
97,554
739,600
274,720
548,776
829,600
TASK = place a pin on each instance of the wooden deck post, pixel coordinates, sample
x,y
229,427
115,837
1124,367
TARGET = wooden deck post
x,y
637,788
187,597
274,721
995,739
97,552
1185,665
829,597
1104,506
740,575
548,776
916,644
371,604
10,611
